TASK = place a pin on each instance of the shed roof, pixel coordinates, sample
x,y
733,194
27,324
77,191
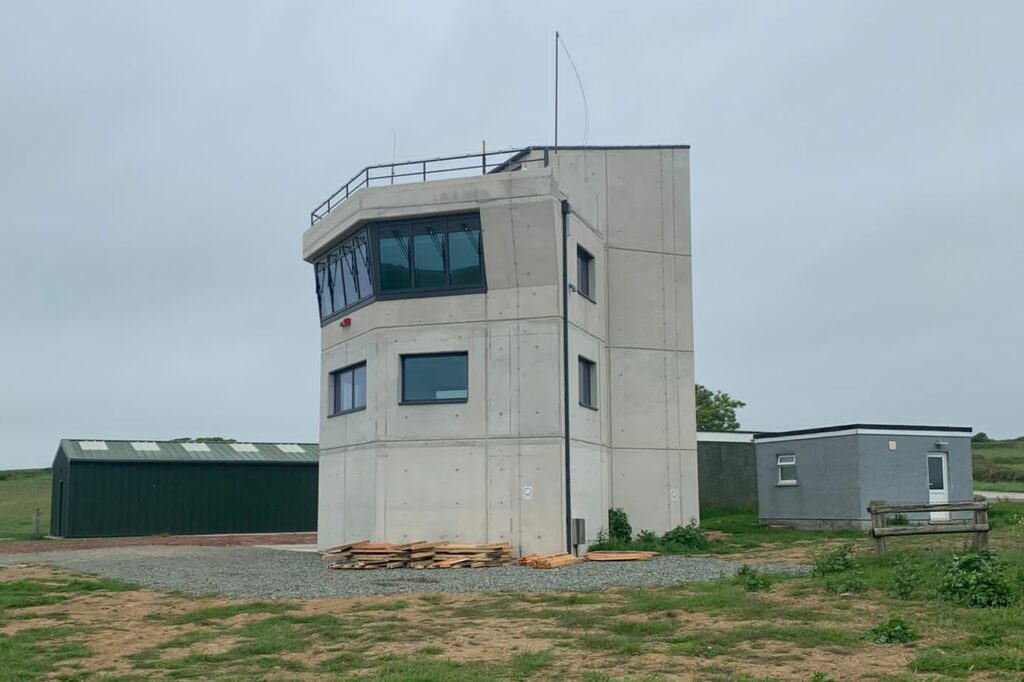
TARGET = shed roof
x,y
867,429
167,451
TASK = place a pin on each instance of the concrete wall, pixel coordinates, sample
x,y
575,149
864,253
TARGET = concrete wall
x,y
727,474
838,476
492,469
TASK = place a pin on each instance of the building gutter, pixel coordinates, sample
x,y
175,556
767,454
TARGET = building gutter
x,y
566,208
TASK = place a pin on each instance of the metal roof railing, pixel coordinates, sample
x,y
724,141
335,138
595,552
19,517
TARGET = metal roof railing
x,y
420,170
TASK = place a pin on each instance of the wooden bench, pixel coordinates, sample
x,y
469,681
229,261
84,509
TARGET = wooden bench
x,y
979,524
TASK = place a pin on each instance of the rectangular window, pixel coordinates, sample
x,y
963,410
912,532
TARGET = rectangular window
x,y
435,378
343,276
464,265
428,255
348,389
395,260
787,469
584,273
588,383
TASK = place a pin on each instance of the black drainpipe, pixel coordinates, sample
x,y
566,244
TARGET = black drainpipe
x,y
565,370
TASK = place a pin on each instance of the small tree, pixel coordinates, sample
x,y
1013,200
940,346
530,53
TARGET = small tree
x,y
980,437
716,410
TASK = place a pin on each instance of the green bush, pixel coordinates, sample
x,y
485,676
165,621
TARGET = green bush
x,y
832,561
647,537
753,580
618,526
905,580
690,537
852,583
894,630
898,520
976,580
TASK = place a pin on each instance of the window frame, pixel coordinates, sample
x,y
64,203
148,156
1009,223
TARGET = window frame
x,y
335,382
368,237
585,363
430,401
780,464
585,263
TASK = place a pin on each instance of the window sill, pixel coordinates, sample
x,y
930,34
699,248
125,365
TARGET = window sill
x,y
444,401
785,484
586,297
344,412
589,407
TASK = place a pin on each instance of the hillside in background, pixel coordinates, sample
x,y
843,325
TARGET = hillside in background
x,y
999,465
21,491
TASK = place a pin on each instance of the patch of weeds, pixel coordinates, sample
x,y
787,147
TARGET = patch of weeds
x,y
432,599
712,643
623,646
576,599
641,628
959,659
821,677
753,580
346,662
976,580
832,561
526,665
851,583
905,580
690,537
893,630
209,614
898,520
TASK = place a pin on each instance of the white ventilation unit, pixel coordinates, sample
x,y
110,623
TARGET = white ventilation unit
x,y
92,444
291,448
196,447
145,446
244,447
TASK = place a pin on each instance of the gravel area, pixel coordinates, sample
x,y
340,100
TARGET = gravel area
x,y
254,572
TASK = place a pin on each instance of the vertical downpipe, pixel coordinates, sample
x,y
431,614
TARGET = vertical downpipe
x,y
565,370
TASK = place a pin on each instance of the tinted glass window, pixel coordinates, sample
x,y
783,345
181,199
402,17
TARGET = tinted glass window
x,y
588,388
435,378
428,250
323,290
348,276
464,257
348,389
935,481
362,261
584,272
394,262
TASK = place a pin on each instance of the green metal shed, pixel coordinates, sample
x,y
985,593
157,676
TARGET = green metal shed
x,y
726,470
117,488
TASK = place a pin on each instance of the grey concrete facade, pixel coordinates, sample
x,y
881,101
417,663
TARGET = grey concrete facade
x,y
492,468
839,471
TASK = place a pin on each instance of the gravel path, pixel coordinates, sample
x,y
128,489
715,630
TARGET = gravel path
x,y
260,573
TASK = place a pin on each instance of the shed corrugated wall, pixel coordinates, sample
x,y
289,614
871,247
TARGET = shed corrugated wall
x,y
97,498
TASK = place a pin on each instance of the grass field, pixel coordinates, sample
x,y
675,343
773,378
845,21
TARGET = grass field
x,y
862,618
999,465
21,491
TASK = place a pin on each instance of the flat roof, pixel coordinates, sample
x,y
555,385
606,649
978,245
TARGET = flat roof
x,y
856,429
97,450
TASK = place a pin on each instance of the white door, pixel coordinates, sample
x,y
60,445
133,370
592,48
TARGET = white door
x,y
938,482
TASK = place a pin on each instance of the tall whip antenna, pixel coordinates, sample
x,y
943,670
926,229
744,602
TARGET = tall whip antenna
x,y
583,92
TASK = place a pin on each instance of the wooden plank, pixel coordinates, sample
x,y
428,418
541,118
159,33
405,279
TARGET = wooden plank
x,y
927,530
925,507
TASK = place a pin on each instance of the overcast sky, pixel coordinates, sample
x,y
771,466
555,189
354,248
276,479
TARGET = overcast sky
x,y
857,188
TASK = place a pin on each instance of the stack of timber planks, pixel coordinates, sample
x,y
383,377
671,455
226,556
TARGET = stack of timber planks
x,y
365,555
556,560
616,555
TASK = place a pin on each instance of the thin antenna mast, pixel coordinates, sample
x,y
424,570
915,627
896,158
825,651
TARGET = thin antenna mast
x,y
556,91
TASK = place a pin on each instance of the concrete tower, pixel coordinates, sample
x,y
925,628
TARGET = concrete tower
x,y
443,402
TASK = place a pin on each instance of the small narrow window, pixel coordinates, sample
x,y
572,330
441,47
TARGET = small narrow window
x,y
435,378
588,383
584,273
395,261
787,469
348,389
